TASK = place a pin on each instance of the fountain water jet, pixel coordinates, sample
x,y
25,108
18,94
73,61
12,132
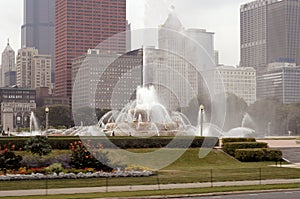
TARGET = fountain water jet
x,y
33,126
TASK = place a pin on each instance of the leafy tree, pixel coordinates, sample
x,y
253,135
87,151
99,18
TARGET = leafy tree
x,y
270,113
236,108
192,111
38,145
59,115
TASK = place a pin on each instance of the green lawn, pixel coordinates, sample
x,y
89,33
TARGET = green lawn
x,y
163,192
216,166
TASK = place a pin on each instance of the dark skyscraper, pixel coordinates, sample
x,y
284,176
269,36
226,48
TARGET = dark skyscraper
x,y
270,32
38,29
83,25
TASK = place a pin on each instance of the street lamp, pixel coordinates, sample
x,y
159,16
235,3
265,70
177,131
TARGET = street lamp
x,y
269,128
47,114
201,119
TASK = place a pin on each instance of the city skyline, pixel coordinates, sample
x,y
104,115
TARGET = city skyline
x,y
225,25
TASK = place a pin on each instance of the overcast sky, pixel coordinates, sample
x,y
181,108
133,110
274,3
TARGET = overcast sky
x,y
218,16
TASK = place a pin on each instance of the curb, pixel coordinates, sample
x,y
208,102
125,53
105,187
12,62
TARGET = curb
x,y
205,194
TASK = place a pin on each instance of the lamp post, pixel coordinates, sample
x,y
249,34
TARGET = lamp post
x,y
47,118
201,119
269,128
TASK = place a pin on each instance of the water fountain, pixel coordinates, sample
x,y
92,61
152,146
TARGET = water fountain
x,y
145,116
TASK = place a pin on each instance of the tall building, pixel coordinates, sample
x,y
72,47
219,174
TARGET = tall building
x,y
8,67
104,80
38,29
194,44
282,81
33,69
284,27
24,65
41,72
176,66
269,32
82,25
239,81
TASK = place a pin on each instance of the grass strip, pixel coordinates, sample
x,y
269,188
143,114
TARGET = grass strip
x,y
190,191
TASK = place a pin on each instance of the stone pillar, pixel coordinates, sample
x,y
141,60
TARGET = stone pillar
x,y
7,119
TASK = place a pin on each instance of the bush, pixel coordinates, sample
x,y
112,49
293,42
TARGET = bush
x,y
38,145
9,160
272,155
230,147
249,155
230,140
82,158
30,161
54,168
256,155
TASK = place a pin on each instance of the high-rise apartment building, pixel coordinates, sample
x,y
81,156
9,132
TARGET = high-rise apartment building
x,y
38,29
269,32
41,72
33,69
83,25
24,65
8,67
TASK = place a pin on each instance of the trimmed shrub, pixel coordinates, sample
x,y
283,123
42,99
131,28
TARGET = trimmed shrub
x,y
63,142
38,145
249,155
227,140
256,155
272,155
230,147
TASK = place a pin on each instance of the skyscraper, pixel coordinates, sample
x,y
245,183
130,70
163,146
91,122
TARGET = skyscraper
x,y
270,32
82,25
33,69
283,31
8,66
38,30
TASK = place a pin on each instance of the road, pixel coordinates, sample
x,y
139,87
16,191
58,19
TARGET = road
x,y
269,195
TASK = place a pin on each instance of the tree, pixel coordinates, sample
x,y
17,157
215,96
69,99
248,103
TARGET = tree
x,y
86,116
59,115
192,111
236,108
269,111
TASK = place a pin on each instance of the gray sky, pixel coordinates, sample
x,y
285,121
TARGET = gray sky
x,y
218,16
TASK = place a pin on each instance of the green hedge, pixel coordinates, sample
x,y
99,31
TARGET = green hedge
x,y
230,147
63,142
256,155
227,140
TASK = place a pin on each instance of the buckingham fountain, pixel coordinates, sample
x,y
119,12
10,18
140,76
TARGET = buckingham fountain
x,y
145,116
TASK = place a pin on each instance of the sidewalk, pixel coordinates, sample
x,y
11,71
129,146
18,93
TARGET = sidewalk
x,y
139,187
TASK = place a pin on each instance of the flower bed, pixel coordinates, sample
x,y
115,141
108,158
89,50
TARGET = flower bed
x,y
61,175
